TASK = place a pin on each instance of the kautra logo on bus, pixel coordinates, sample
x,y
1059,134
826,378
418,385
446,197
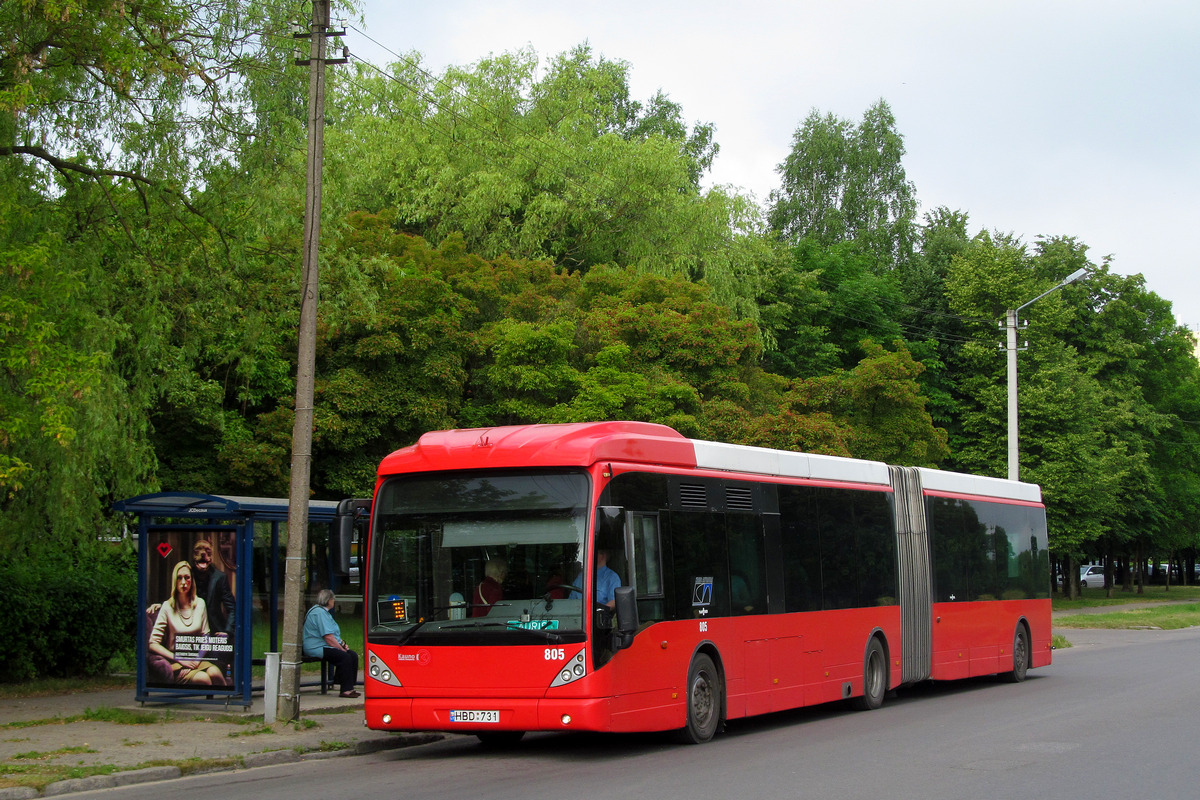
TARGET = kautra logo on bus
x,y
421,657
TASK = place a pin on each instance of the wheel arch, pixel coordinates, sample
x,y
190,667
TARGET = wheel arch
x,y
881,635
1023,622
709,648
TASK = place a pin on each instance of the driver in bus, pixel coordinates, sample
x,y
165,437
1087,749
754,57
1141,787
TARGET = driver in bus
x,y
607,582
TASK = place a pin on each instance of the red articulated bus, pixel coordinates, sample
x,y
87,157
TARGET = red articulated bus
x,y
721,581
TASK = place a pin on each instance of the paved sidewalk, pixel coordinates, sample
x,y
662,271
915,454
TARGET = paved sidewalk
x,y
63,731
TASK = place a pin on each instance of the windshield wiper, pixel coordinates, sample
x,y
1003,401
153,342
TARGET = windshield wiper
x,y
545,633
408,634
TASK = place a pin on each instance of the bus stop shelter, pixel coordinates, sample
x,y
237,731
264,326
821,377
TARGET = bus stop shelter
x,y
197,579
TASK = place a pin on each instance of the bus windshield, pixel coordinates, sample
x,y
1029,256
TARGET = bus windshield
x,y
470,559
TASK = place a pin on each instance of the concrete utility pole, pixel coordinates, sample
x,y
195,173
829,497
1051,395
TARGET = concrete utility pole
x,y
1010,324
288,706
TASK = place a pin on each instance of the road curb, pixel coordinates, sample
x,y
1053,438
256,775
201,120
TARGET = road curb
x,y
251,761
269,758
105,781
18,793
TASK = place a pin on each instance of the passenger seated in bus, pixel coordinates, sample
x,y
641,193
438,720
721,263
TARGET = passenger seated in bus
x,y
743,598
489,590
607,582
555,588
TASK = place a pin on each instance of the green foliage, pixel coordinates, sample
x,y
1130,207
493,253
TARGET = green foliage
x,y
845,182
564,166
882,402
110,115
104,89
874,411
74,615
828,300
70,435
393,366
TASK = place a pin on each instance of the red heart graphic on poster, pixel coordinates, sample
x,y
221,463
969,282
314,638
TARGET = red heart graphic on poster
x,y
164,549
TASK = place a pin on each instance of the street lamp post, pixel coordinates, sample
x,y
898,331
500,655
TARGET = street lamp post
x,y
1010,323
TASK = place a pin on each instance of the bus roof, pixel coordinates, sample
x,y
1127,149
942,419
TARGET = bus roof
x,y
568,445
583,444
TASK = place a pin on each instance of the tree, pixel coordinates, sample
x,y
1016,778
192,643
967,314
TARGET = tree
x,y
827,301
844,182
1070,421
117,122
1148,361
566,167
71,438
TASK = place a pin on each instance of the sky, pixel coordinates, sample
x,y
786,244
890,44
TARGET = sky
x,y
1045,118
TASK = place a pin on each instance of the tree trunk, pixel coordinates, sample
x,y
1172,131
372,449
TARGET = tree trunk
x,y
1141,569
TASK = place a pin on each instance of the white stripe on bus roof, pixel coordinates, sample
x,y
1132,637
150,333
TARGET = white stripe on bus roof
x,y
935,480
764,461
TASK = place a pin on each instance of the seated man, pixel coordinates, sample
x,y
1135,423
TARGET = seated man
x,y
607,581
323,639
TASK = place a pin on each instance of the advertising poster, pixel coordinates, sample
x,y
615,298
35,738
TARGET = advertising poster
x,y
189,619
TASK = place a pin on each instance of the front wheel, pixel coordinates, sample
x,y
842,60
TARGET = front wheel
x,y
704,701
1020,653
875,677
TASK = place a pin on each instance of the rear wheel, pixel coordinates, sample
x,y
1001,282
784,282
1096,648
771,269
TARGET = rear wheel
x,y
1020,653
875,677
704,701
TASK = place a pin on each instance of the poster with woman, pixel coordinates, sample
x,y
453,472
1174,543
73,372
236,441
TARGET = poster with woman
x,y
190,616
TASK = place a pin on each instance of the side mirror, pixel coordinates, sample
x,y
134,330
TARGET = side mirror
x,y
627,617
342,536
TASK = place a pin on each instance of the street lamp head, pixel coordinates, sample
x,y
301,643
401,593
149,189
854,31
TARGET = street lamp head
x,y
1074,276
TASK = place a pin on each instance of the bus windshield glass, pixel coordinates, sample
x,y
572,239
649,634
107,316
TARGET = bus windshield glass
x,y
466,559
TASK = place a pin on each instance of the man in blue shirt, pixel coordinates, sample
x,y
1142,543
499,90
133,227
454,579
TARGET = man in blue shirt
x,y
323,639
607,582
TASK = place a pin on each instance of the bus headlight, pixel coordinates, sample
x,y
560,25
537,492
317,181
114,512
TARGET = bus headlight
x,y
572,671
378,670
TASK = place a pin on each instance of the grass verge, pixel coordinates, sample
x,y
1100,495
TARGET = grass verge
x,y
1166,618
1093,598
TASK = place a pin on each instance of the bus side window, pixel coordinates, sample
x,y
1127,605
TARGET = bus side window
x,y
644,547
747,577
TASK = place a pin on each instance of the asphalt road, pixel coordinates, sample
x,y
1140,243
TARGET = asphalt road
x,y
1116,716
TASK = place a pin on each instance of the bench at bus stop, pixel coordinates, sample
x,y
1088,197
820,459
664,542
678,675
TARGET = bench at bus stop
x,y
326,670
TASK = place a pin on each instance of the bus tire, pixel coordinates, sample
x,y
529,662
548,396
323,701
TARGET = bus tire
x,y
704,701
875,677
1020,654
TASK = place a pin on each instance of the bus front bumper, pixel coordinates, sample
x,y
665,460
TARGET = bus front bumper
x,y
479,715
